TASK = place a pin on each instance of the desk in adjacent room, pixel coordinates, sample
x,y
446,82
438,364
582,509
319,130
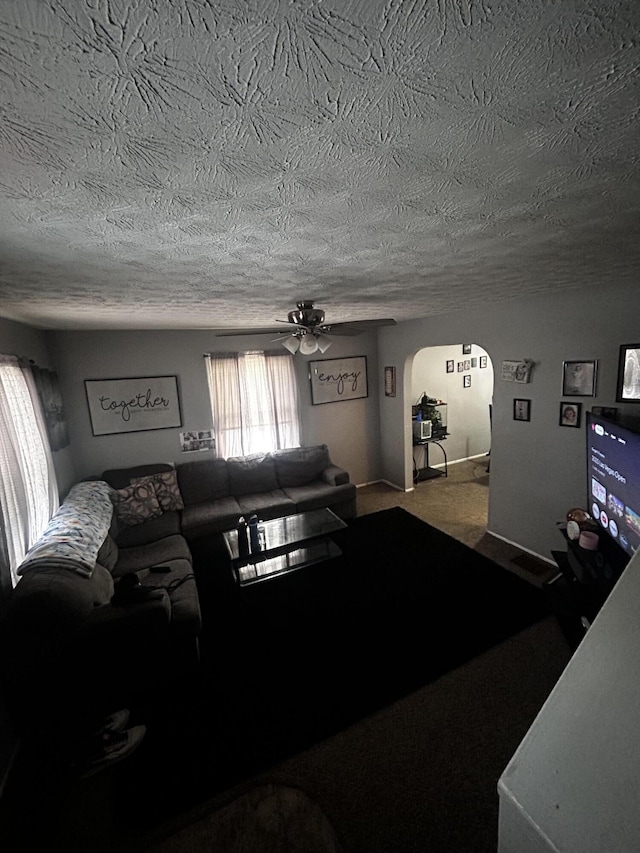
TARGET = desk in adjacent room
x,y
427,472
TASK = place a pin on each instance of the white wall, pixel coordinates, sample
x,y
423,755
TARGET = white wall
x,y
349,428
538,469
572,783
467,408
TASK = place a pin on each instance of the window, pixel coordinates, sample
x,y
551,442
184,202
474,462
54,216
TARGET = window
x,y
254,402
28,489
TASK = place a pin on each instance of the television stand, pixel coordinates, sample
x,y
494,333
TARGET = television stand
x,y
583,584
427,472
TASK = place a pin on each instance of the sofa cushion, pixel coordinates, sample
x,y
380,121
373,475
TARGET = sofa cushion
x,y
156,553
210,517
163,525
249,475
317,495
204,480
108,553
267,505
118,478
167,489
298,466
136,503
180,585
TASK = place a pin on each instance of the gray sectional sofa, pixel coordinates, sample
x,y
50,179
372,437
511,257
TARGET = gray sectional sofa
x,y
72,633
79,643
217,492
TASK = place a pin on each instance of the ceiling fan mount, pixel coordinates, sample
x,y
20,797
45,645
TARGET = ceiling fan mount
x,y
306,315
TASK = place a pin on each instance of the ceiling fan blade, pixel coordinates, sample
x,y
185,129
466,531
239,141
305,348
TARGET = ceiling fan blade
x,y
231,333
357,327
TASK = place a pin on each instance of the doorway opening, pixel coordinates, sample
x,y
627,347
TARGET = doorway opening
x,y
458,379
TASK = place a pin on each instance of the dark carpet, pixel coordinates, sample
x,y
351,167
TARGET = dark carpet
x,y
292,660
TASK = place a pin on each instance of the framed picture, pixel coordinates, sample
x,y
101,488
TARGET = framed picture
x,y
450,366
522,410
48,389
460,366
197,440
474,362
579,378
336,379
570,414
466,381
466,349
483,361
516,371
133,405
390,381
628,388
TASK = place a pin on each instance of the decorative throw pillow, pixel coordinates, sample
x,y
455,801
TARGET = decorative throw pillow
x,y
136,503
167,489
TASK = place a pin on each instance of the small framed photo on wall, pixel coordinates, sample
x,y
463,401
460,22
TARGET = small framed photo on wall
x,y
390,381
466,380
450,366
570,414
483,361
466,349
521,410
579,378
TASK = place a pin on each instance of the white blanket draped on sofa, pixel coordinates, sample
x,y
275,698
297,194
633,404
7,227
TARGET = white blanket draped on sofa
x,y
76,531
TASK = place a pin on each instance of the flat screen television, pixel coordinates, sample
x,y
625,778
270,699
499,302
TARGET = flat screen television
x,y
613,476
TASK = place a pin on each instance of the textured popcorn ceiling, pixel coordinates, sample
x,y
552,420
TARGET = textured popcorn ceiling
x,y
194,163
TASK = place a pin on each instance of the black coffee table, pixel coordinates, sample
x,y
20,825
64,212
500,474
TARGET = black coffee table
x,y
290,543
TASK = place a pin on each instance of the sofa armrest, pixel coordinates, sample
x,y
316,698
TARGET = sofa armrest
x,y
335,476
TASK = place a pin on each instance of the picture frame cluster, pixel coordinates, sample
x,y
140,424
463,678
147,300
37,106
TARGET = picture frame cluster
x,y
580,378
466,364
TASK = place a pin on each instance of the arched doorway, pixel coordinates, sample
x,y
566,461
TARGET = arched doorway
x,y
461,376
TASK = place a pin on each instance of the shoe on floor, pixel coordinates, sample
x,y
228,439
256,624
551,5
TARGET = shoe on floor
x,y
113,747
115,722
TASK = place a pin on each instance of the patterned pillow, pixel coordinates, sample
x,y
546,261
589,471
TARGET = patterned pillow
x,y
136,503
167,489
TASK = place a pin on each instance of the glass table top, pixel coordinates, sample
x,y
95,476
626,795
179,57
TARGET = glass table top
x,y
287,543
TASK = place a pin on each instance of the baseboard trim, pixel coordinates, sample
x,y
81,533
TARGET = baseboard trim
x,y
522,548
386,483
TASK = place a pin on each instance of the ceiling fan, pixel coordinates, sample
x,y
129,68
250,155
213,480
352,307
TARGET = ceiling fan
x,y
308,331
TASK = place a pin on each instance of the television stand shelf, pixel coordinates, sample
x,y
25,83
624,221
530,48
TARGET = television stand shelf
x,y
427,472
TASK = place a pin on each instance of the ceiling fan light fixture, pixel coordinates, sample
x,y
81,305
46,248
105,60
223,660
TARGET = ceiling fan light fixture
x,y
323,342
291,343
308,345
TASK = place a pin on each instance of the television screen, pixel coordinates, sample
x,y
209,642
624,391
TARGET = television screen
x,y
613,471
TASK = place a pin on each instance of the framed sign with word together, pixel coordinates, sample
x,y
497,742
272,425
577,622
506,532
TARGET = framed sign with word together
x,y
133,405
337,379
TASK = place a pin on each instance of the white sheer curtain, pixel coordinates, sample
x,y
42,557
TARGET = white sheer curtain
x,y
254,402
28,488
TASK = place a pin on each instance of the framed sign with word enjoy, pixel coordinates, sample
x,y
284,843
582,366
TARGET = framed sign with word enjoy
x,y
133,405
337,379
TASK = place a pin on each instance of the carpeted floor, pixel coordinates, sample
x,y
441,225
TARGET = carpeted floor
x,y
401,752
458,505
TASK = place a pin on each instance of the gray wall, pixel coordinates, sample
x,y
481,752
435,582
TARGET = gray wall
x,y
349,428
537,468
